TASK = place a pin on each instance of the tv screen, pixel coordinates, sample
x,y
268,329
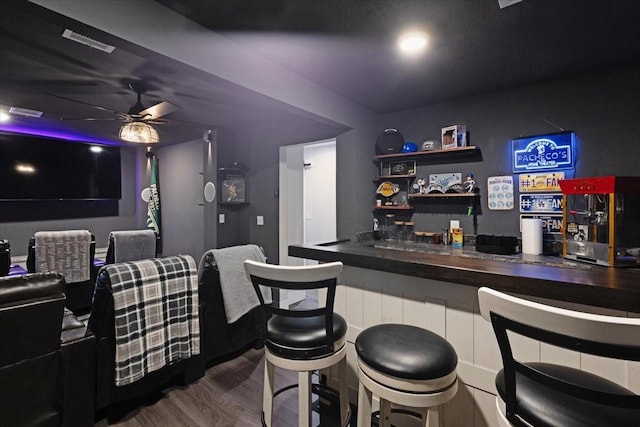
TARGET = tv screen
x,y
39,168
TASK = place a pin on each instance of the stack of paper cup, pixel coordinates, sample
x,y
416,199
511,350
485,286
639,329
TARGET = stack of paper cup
x,y
531,236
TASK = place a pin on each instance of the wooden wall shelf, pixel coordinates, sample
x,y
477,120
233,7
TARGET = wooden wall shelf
x,y
393,208
383,177
452,155
443,196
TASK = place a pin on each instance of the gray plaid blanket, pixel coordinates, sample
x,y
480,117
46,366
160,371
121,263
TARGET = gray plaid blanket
x,y
155,305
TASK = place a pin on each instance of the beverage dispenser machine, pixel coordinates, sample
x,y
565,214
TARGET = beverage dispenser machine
x,y
601,220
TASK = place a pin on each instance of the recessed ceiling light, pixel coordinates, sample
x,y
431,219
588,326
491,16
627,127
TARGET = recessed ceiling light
x,y
95,149
4,117
25,168
413,41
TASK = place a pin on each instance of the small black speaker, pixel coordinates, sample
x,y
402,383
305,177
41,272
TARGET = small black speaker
x,y
389,142
501,245
207,136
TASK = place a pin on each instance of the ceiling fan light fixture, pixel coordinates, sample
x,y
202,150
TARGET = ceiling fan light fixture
x,y
140,132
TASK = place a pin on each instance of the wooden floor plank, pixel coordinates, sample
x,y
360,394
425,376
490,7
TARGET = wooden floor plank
x,y
230,394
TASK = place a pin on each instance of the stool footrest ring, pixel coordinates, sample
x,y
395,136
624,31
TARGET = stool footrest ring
x,y
375,415
322,391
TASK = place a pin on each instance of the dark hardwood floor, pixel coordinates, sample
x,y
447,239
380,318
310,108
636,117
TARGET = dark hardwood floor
x,y
229,394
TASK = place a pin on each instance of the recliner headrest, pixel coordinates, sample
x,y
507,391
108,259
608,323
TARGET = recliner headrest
x,y
31,287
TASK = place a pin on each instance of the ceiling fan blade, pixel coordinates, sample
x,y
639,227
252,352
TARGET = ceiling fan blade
x,y
156,121
156,111
91,119
86,103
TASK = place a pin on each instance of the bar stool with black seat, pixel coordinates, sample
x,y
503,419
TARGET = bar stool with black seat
x,y
550,394
408,366
302,340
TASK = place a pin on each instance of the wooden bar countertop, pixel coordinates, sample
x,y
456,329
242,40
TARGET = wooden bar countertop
x,y
614,288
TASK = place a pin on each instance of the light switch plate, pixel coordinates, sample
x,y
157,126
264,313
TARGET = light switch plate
x,y
260,220
221,218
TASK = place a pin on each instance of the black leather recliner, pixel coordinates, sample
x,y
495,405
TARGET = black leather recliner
x,y
78,294
102,324
47,360
221,340
5,257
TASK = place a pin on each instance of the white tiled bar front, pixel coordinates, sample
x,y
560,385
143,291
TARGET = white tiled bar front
x,y
369,297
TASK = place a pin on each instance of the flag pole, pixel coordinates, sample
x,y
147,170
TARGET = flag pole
x,y
153,211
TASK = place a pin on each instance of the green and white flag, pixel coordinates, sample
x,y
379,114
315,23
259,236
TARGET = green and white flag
x,y
153,211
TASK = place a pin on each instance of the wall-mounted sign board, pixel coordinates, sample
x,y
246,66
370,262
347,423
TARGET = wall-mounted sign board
x,y
549,152
547,203
540,182
446,180
500,192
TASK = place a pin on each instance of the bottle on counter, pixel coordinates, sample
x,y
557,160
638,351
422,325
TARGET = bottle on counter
x,y
388,227
399,231
409,235
445,236
376,229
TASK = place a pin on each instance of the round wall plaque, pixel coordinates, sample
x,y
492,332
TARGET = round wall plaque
x,y
209,192
145,194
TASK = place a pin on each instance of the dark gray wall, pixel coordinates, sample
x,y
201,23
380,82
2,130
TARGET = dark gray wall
x,y
355,170
257,149
210,209
129,217
235,229
602,108
182,198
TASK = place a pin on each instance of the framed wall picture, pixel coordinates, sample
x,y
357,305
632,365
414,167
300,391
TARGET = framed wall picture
x,y
234,189
232,186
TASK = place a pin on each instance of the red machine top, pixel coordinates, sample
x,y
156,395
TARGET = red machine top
x,y
601,185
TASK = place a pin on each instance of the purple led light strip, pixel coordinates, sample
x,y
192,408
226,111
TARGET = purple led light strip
x,y
55,134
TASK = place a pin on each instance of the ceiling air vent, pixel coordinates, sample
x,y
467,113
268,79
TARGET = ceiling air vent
x,y
507,3
25,112
76,37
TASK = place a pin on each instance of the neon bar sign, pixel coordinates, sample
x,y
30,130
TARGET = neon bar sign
x,y
544,152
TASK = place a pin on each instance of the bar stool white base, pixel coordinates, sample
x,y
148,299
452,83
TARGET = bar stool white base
x,y
420,395
501,410
305,368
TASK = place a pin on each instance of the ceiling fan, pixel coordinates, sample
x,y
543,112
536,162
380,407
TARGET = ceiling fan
x,y
137,121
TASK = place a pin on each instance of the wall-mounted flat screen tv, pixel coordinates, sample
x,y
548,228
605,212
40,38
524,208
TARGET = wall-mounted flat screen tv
x,y
39,168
